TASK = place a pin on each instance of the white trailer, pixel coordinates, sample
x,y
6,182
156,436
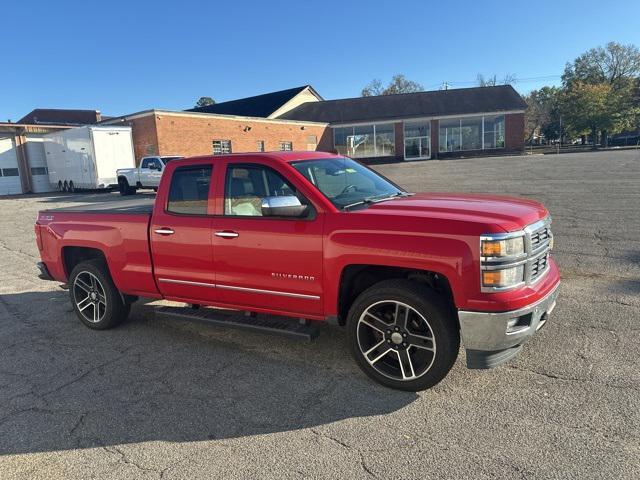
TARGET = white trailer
x,y
88,157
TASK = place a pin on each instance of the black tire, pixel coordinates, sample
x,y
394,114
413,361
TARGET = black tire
x,y
432,336
111,309
123,186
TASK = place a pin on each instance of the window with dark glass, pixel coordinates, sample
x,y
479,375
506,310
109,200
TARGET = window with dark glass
x,y
10,172
151,163
221,147
247,185
39,170
189,190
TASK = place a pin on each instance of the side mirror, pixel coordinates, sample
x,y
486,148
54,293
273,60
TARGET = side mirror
x,y
287,206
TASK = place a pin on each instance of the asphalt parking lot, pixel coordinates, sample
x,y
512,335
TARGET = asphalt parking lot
x,y
171,399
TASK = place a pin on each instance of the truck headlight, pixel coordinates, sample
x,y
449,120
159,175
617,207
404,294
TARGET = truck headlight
x,y
503,278
508,247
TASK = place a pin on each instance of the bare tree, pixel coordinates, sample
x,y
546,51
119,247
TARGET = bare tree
x,y
398,84
492,81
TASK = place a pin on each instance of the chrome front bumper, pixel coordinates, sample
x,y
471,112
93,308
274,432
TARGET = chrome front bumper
x,y
492,338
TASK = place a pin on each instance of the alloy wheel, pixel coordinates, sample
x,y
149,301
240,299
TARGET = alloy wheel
x,y
396,340
89,296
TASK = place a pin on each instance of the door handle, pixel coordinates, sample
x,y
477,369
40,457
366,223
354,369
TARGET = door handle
x,y
164,231
227,234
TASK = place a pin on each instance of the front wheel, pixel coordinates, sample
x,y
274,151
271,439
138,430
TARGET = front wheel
x,y
96,300
403,335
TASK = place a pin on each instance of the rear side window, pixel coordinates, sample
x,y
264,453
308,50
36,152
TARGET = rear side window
x,y
189,191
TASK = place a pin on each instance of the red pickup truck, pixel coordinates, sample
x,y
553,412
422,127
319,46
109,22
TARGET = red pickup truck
x,y
319,237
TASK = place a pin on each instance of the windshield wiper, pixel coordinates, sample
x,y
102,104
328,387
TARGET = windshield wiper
x,y
376,199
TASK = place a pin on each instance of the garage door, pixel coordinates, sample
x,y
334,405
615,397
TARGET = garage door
x,y
37,165
9,173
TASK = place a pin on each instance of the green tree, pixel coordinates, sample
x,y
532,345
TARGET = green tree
x,y
543,113
398,84
204,101
591,108
614,100
614,64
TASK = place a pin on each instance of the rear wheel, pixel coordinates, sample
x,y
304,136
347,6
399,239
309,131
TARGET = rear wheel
x,y
125,188
403,335
96,300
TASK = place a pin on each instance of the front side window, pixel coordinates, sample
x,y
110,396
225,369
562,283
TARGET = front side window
x,y
189,190
286,146
221,147
247,185
345,182
147,162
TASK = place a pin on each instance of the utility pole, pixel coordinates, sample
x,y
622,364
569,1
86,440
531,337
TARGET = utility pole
x,y
560,142
445,86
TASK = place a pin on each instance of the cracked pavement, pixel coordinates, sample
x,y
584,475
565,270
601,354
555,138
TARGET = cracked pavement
x,y
178,400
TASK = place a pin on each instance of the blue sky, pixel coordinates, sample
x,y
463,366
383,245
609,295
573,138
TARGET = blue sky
x,y
124,56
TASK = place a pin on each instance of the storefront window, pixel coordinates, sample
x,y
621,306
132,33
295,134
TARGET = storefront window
x,y
450,140
494,131
472,133
365,141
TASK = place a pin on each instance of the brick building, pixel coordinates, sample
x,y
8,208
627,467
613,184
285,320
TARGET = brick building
x,y
413,126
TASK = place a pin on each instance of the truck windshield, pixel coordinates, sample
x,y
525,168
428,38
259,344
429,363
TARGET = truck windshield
x,y
347,183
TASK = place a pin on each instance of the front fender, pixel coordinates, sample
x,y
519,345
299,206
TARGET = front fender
x,y
446,255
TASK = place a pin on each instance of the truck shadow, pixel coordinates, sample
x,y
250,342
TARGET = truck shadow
x,y
63,386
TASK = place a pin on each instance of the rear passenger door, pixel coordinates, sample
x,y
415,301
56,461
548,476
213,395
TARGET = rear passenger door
x,y
181,236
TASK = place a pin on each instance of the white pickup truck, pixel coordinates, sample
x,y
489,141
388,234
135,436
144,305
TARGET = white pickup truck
x,y
146,175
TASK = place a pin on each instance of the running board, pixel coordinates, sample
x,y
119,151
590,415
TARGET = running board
x,y
269,324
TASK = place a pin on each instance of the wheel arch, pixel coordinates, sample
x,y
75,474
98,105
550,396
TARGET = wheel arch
x,y
74,255
356,278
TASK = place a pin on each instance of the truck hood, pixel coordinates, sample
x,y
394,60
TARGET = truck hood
x,y
507,213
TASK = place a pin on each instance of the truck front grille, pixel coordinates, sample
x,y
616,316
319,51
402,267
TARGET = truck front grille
x,y
538,267
538,238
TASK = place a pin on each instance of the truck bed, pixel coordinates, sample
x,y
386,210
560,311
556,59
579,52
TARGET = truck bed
x,y
134,206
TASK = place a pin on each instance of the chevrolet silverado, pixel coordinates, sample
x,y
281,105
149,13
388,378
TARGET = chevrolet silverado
x,y
317,237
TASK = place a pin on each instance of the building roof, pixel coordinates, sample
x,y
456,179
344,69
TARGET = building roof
x,y
55,116
459,101
256,106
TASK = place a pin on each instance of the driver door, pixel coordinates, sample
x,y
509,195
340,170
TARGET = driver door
x,y
266,262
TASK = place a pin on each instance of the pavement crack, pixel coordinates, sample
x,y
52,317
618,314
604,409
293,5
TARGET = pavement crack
x,y
128,461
